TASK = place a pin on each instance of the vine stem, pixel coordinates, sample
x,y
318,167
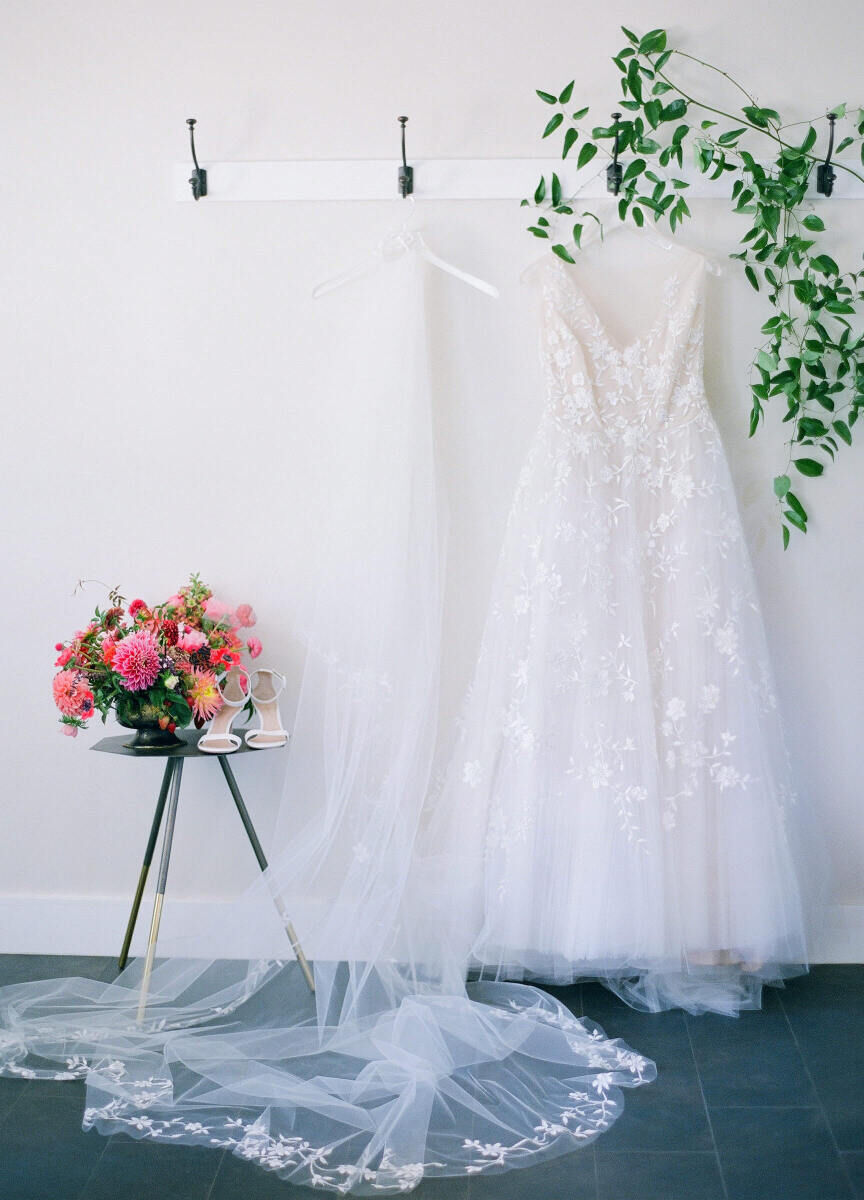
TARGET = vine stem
x,y
765,130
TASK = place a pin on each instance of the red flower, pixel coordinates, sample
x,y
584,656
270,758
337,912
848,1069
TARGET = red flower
x,y
224,657
135,607
169,631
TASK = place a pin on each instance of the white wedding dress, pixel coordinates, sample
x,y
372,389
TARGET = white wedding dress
x,y
620,796
393,1070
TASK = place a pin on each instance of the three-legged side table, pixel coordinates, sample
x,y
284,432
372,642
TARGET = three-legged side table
x,y
166,807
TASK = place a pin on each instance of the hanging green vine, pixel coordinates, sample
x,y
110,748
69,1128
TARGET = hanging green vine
x,y
811,356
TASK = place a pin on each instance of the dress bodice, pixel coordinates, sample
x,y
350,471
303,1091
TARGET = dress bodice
x,y
653,379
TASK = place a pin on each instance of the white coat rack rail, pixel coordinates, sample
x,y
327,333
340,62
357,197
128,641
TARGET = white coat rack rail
x,y
434,179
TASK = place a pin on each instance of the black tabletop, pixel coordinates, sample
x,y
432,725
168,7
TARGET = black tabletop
x,y
189,749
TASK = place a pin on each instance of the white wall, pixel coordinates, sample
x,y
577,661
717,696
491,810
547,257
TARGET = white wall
x,y
142,341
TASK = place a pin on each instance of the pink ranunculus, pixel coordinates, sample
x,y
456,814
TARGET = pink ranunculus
x,y
191,640
245,614
136,606
65,657
136,660
254,647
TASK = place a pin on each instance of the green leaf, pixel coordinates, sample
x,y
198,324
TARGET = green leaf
x,y
540,233
577,234
839,111
577,116
793,502
795,519
809,466
730,136
825,264
553,124
760,116
751,275
782,484
843,430
653,109
540,191
564,98
563,252
662,60
811,221
548,97
631,37
636,167
653,42
809,140
569,141
585,155
674,110
556,190
812,427
768,362
785,537
638,216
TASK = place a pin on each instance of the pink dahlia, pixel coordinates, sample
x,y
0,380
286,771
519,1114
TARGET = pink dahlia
x,y
254,647
245,615
191,640
136,660
70,690
203,694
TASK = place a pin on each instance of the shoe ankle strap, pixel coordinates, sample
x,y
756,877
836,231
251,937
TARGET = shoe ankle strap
x,y
279,682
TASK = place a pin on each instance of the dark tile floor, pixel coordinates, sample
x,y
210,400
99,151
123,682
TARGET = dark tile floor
x,y
766,1107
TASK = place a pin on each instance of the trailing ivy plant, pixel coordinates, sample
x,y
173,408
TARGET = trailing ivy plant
x,y
811,358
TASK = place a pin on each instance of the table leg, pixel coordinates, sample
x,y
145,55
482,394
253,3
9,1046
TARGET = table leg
x,y
167,838
148,859
262,863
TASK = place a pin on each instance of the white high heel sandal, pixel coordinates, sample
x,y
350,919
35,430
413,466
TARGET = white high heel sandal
x,y
219,739
266,687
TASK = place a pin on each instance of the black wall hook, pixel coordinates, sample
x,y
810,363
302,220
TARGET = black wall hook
x,y
406,173
614,172
198,178
825,173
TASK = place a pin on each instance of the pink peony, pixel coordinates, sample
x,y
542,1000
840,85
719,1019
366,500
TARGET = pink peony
x,y
191,640
254,647
245,615
136,660
70,690
215,609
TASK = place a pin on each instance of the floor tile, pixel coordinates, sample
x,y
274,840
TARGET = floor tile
x,y
564,1178
658,1176
825,1011
44,1155
22,968
11,1091
778,1154
143,1170
752,1059
854,1164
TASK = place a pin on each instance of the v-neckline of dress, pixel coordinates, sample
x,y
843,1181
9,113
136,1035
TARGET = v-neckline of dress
x,y
623,349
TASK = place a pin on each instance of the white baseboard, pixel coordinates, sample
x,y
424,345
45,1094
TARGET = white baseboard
x,y
96,924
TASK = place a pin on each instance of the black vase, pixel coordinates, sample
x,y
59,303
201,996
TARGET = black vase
x,y
136,712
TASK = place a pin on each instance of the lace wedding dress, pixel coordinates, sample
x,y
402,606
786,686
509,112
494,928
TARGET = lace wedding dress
x,y
620,794
393,1070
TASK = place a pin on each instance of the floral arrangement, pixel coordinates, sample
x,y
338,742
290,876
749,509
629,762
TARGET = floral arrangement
x,y
161,663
